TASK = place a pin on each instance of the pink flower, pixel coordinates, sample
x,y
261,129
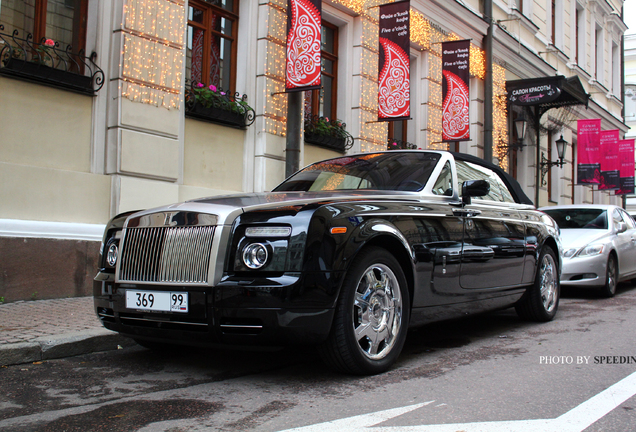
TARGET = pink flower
x,y
223,93
212,87
200,85
326,119
49,42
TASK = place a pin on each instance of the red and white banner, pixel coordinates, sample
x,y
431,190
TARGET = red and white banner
x,y
626,158
588,151
610,164
394,89
455,91
304,24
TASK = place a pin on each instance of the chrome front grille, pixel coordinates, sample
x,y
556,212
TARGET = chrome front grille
x,y
166,254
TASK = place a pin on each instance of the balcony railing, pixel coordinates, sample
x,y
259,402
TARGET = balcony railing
x,y
330,134
47,63
213,105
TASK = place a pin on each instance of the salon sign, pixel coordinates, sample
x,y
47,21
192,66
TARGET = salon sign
x,y
533,95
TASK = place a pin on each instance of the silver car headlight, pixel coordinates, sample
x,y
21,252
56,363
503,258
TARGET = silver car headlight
x,y
255,255
569,253
112,254
591,250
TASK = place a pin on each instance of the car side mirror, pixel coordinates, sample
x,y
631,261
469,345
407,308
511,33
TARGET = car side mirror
x,y
621,227
474,188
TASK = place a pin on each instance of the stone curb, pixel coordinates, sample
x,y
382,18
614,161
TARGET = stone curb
x,y
60,346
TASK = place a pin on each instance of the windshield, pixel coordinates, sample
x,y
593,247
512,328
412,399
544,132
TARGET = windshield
x,y
378,171
579,218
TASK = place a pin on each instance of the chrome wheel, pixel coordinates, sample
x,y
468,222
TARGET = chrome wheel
x,y
541,300
377,311
372,315
549,283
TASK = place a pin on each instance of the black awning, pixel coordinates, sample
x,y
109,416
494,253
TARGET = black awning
x,y
547,92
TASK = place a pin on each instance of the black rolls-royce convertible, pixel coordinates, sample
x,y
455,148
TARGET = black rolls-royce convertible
x,y
346,254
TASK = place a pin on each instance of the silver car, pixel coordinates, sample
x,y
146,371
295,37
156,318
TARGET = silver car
x,y
599,244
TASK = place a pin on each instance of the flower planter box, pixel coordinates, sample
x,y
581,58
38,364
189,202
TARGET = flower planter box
x,y
45,74
217,115
333,143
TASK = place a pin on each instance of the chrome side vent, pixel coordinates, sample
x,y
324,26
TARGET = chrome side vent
x,y
166,254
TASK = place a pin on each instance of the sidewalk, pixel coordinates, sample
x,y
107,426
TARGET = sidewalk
x,y
48,329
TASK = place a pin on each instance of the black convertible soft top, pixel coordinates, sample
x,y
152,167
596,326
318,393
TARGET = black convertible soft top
x,y
514,186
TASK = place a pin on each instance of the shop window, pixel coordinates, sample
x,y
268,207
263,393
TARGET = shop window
x,y
212,35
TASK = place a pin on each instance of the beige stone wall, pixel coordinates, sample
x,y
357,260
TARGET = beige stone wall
x,y
44,127
45,158
213,158
314,154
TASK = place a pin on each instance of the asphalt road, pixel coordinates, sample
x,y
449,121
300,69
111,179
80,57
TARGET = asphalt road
x,y
487,373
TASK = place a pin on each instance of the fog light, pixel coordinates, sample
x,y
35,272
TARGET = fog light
x,y
112,254
255,255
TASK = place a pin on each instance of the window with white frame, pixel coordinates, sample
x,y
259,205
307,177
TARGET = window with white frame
x,y
598,65
616,71
630,102
579,35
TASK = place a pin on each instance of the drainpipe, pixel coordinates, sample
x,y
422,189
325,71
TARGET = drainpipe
x,y
294,122
488,105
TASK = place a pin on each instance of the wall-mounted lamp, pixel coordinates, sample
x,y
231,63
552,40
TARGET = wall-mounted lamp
x,y
520,127
547,164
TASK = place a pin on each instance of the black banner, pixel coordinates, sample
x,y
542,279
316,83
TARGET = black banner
x,y
394,91
455,91
304,26
534,94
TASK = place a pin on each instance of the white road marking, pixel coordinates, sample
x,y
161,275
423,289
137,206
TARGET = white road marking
x,y
575,420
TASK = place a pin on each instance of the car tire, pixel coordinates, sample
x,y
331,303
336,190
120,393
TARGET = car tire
x,y
611,278
541,301
371,316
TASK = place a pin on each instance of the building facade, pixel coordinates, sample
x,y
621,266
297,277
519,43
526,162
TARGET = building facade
x,y
112,106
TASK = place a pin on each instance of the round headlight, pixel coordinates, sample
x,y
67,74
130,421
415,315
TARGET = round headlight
x,y
255,255
112,254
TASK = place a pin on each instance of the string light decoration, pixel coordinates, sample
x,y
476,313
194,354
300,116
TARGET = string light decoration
x,y
500,115
153,51
425,34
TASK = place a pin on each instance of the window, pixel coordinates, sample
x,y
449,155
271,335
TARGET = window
x,y
553,9
579,35
616,216
444,183
628,219
211,50
498,190
616,71
598,69
322,102
398,130
63,21
630,102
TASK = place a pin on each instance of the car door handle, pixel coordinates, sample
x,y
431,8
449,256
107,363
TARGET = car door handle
x,y
466,212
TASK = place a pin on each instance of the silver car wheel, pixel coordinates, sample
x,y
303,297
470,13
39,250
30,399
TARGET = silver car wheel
x,y
611,279
549,282
377,311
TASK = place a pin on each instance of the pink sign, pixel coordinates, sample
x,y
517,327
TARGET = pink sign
x,y
610,165
588,153
626,160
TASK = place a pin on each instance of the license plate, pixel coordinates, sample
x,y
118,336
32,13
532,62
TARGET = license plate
x,y
159,301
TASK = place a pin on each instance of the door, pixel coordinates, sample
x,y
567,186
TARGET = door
x,y
493,249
